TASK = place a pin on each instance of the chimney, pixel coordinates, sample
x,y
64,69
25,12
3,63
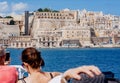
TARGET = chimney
x,y
26,22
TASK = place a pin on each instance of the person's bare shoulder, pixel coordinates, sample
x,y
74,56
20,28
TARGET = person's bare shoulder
x,y
55,73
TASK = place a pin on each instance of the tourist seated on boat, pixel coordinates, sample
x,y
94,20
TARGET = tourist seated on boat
x,y
8,74
33,63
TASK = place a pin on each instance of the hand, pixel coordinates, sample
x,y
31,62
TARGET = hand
x,y
74,73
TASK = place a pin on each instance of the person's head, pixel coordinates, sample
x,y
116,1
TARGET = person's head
x,y
2,55
32,57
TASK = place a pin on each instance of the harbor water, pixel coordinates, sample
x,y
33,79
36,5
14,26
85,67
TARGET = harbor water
x,y
107,59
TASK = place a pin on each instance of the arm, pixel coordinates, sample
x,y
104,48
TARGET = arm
x,y
74,73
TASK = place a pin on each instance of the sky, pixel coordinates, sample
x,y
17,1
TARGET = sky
x,y
11,7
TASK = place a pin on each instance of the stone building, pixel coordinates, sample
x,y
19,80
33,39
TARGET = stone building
x,y
75,36
47,37
65,28
20,41
6,31
5,20
46,26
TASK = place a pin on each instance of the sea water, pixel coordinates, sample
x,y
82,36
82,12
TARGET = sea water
x,y
107,59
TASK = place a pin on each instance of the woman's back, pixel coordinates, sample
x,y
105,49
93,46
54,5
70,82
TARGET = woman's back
x,y
39,77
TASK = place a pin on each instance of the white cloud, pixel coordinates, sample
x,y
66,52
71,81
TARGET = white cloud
x,y
3,6
2,14
7,8
19,6
13,13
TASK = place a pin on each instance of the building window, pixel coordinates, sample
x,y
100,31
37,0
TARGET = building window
x,y
43,38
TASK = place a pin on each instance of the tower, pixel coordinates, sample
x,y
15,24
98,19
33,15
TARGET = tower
x,y
26,22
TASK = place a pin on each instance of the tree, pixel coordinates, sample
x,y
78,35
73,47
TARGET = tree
x,y
8,17
40,10
47,10
55,11
1,17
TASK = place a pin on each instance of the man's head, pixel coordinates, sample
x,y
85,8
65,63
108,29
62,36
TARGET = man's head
x,y
2,55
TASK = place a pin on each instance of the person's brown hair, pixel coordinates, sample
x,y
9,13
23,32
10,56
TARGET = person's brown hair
x,y
32,57
2,56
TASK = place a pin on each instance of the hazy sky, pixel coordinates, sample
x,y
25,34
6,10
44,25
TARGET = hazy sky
x,y
19,6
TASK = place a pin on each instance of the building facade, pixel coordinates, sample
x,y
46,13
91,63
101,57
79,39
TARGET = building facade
x,y
65,28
